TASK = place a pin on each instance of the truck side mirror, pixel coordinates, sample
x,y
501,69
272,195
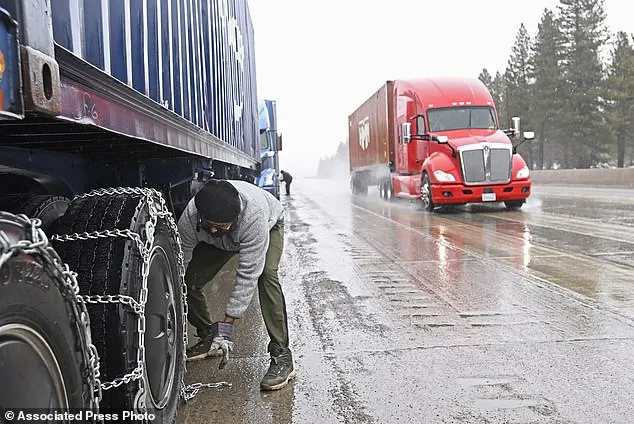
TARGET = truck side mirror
x,y
528,136
440,139
420,125
407,132
279,143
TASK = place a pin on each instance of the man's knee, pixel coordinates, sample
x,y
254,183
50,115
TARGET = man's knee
x,y
196,279
269,276
194,290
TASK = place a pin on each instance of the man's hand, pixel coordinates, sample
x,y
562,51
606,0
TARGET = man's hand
x,y
222,343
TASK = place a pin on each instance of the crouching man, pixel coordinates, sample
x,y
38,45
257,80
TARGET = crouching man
x,y
226,218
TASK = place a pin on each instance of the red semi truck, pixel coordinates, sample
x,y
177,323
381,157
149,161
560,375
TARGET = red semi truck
x,y
437,140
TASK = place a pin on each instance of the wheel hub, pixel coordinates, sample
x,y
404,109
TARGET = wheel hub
x,y
160,334
425,194
30,369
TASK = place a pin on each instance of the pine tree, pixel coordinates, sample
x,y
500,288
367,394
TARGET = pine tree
x,y
621,93
585,34
518,79
498,88
485,77
342,150
494,89
547,90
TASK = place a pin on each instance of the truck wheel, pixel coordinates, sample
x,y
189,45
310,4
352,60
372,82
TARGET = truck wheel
x,y
48,208
44,343
362,189
143,356
358,188
514,204
386,190
425,191
389,192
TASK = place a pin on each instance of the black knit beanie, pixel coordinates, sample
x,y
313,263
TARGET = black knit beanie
x,y
218,201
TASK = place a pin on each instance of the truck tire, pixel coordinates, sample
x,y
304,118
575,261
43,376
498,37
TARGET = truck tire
x,y
46,207
112,265
386,190
44,345
425,191
354,186
359,188
514,204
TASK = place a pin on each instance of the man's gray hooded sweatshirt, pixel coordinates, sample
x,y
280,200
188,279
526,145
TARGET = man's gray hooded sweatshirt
x,y
259,212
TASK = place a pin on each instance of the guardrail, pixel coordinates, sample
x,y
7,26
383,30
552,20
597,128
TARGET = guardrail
x,y
596,177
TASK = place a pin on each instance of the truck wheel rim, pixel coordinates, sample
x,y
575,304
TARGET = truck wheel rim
x,y
24,345
425,193
161,330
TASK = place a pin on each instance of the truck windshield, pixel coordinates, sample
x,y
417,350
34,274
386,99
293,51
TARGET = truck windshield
x,y
457,118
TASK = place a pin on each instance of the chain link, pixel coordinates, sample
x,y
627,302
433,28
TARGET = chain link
x,y
38,244
192,390
156,209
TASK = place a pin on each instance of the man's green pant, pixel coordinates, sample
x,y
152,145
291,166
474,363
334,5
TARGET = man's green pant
x,y
208,260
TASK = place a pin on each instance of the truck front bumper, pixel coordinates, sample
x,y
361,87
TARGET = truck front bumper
x,y
459,194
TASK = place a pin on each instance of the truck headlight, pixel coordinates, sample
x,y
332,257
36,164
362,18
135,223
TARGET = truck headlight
x,y
523,173
444,177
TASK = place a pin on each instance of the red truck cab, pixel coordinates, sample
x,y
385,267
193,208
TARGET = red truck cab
x,y
441,143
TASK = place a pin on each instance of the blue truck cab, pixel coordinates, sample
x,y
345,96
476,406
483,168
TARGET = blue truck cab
x,y
270,146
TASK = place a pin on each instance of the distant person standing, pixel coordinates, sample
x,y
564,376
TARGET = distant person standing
x,y
288,179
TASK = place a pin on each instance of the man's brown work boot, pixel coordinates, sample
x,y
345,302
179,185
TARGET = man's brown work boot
x,y
280,371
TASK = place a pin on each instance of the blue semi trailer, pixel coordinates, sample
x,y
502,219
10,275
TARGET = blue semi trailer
x,y
112,113
270,146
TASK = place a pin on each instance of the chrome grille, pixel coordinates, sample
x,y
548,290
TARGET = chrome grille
x,y
473,166
486,165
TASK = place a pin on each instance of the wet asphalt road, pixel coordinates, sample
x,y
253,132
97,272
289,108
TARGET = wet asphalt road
x,y
475,315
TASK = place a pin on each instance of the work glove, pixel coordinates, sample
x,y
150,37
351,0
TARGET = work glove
x,y
221,342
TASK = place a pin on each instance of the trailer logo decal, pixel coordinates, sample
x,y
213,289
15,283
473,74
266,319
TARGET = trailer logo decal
x,y
364,133
235,39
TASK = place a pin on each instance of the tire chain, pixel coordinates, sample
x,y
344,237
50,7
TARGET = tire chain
x,y
69,288
152,198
